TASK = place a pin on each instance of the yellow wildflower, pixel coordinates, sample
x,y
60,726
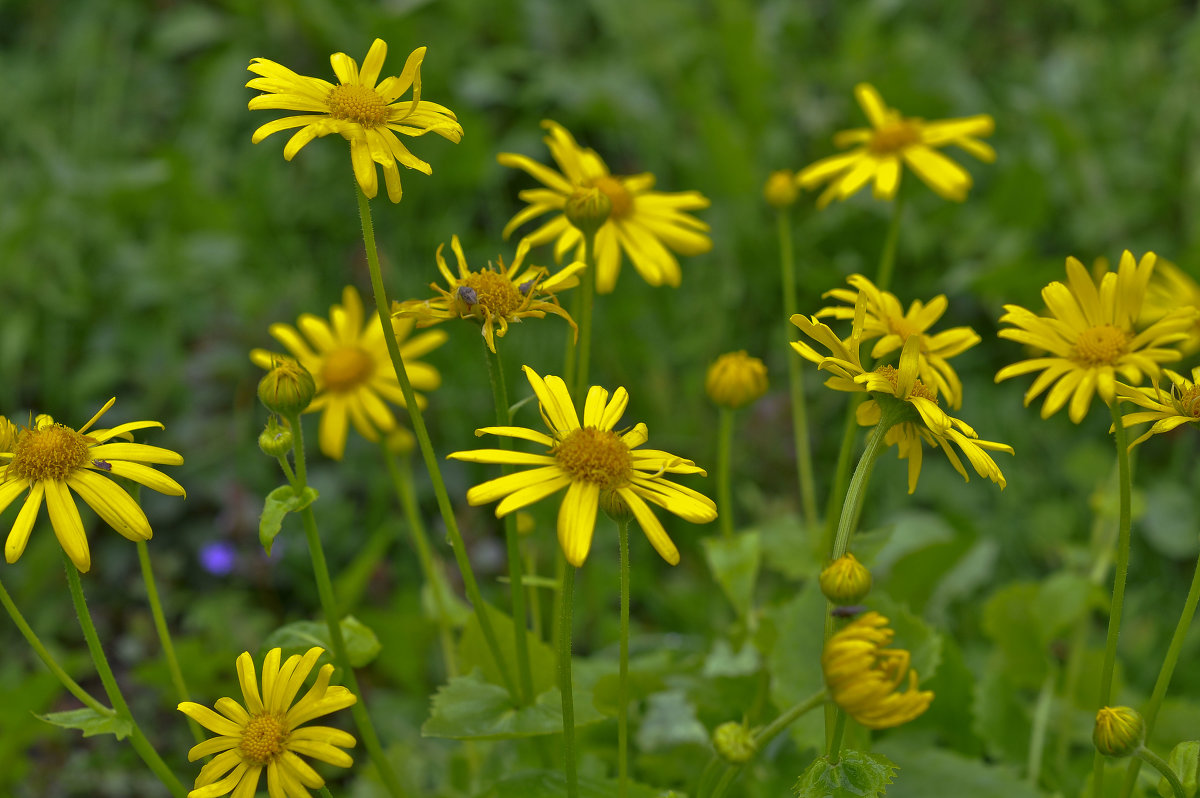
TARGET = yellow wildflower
x,y
863,676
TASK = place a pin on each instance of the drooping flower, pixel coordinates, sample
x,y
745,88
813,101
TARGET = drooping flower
x,y
1091,335
360,108
267,732
735,379
893,140
494,296
51,460
887,320
348,358
595,464
863,676
645,225
1167,409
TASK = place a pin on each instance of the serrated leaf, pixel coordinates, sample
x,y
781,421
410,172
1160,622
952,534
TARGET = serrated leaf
x,y
856,775
1184,759
280,502
553,784
931,771
362,645
734,562
90,722
470,708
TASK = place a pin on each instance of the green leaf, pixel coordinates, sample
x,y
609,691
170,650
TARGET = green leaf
x,y
553,784
362,646
920,639
794,660
1010,618
473,652
1062,602
280,502
856,775
734,563
470,708
931,771
90,722
1184,759
670,720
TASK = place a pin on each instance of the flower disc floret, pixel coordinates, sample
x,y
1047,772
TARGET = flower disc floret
x,y
593,455
264,738
52,452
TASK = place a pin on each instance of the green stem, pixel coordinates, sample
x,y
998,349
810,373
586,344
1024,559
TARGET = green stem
x,y
804,468
587,298
316,552
623,675
564,680
835,740
841,473
325,792
724,455
887,259
512,539
422,434
1157,762
1041,720
47,658
769,733
1150,714
164,634
136,737
1118,595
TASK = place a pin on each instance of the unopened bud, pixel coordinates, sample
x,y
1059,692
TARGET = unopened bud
x,y
588,209
734,742
736,379
400,441
614,506
781,190
276,439
845,580
287,388
1119,732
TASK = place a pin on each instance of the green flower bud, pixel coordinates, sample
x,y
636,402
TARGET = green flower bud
x,y
287,388
734,742
1119,732
275,440
614,506
845,581
588,209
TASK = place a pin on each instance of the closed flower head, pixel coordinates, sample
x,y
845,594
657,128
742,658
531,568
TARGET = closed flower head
x,y
864,676
735,379
1119,731
845,580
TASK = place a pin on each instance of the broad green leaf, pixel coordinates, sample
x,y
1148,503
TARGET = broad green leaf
x,y
920,639
1010,618
1184,759
856,775
952,710
794,660
647,673
785,547
1170,522
90,722
553,784
1003,714
927,771
439,602
473,652
1062,602
734,563
280,502
470,708
670,720
362,646
724,661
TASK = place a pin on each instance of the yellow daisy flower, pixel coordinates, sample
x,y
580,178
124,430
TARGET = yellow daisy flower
x,y
51,460
265,731
892,140
361,109
492,296
863,677
348,358
1091,335
644,224
594,463
1167,410
1171,288
887,321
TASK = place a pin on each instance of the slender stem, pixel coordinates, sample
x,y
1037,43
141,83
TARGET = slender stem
x,y
564,680
724,455
136,738
623,675
1150,714
422,434
835,740
587,298
887,259
511,537
841,472
47,658
1118,595
804,467
1157,762
329,606
1041,720
164,634
762,738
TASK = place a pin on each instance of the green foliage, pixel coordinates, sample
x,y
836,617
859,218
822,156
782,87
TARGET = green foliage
x,y
90,722
1184,760
280,502
469,708
362,646
734,563
930,771
552,784
856,774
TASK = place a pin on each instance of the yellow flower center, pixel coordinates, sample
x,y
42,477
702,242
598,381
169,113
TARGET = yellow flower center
x,y
345,368
1101,346
596,456
919,388
355,103
618,195
894,137
902,327
494,292
1188,402
263,739
53,452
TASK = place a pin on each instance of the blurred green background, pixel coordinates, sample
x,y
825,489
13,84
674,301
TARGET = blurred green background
x,y
146,245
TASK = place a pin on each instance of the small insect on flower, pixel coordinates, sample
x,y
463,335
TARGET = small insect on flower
x,y
103,465
848,611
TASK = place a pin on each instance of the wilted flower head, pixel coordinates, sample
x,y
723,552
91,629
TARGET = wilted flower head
x,y
863,676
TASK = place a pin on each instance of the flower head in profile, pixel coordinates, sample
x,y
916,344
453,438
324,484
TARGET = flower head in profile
x,y
887,321
495,296
893,141
1171,288
267,731
735,379
1092,335
1119,731
348,358
645,225
51,460
1167,409
361,108
864,676
595,463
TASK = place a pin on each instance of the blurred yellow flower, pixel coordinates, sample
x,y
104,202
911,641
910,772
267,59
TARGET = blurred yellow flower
x,y
887,321
495,296
1168,410
735,379
644,224
51,460
348,358
864,677
264,732
780,190
1171,288
594,463
892,140
1091,335
361,109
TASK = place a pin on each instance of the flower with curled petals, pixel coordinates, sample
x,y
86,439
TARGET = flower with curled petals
x,y
361,108
596,464
348,358
863,676
51,460
1167,409
267,731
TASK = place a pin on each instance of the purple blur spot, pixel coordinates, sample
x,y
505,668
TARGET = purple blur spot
x,y
218,557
